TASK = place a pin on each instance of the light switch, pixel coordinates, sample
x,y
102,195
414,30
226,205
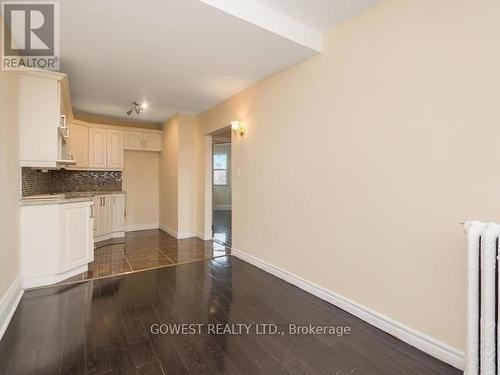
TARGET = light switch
x,y
238,172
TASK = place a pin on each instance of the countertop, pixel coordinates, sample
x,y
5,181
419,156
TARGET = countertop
x,y
64,198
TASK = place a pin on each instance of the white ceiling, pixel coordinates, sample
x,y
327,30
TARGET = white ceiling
x,y
318,14
183,55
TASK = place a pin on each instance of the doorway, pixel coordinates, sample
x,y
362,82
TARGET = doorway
x,y
221,187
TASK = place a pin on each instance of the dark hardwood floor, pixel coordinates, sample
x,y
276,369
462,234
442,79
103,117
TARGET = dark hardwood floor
x,y
144,250
103,327
222,226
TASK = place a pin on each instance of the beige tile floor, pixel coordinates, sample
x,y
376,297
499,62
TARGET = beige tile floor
x,y
143,250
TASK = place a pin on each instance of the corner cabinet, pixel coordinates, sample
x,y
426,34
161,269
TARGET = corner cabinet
x,y
56,242
109,212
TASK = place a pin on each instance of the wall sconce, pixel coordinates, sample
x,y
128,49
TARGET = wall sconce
x,y
238,128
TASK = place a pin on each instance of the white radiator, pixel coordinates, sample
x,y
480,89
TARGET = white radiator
x,y
482,350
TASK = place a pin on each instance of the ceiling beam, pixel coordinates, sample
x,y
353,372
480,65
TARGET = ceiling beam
x,y
271,20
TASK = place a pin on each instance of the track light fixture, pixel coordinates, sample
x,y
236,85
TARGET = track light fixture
x,y
138,108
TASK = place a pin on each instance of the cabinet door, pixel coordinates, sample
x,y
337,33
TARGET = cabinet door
x,y
118,213
107,214
152,142
115,149
97,148
133,141
39,116
79,145
97,216
77,244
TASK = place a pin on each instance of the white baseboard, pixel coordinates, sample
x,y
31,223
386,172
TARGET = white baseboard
x,y
108,236
183,235
9,302
202,237
222,207
175,234
419,340
169,231
134,227
34,282
118,234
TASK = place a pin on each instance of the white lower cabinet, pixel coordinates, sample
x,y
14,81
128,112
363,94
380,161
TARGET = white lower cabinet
x,y
109,216
118,213
56,242
77,243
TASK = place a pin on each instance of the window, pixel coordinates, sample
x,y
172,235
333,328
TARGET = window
x,y
221,175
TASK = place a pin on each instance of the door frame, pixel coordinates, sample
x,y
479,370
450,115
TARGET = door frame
x,y
207,235
208,193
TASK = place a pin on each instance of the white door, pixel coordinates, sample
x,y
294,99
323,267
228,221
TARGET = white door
x,y
133,141
77,243
118,213
79,145
115,149
152,142
97,148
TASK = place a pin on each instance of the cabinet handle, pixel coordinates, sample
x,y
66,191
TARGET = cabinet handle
x,y
92,211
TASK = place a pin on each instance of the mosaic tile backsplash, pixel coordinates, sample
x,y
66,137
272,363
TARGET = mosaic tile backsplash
x,y
63,181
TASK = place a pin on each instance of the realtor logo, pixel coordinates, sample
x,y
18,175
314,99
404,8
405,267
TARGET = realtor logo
x,y
30,33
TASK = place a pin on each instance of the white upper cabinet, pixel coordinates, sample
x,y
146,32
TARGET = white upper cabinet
x,y
143,141
133,141
105,148
152,142
79,145
40,111
115,155
97,148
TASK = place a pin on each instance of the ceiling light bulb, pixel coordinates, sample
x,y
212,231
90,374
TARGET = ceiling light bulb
x,y
235,125
144,105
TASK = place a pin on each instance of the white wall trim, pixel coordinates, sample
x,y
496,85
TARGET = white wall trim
x,y
9,302
134,227
221,207
421,341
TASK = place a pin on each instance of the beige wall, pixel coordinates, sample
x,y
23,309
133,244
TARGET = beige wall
x,y
178,175
187,175
141,182
371,154
9,180
222,194
169,175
